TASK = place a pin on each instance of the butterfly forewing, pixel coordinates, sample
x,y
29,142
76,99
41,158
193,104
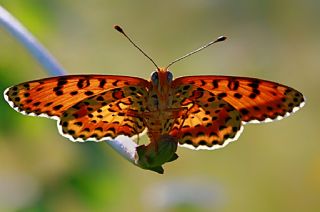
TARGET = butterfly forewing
x,y
256,100
52,96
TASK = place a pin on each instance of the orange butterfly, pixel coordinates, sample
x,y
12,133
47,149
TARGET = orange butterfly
x,y
198,112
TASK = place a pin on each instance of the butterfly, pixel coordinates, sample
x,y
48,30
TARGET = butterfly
x,y
203,112
198,112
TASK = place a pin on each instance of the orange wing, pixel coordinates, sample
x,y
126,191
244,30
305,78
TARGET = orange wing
x,y
206,121
76,99
105,115
52,96
256,100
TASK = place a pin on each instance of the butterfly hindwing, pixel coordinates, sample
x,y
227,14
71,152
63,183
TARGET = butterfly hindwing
x,y
105,115
208,122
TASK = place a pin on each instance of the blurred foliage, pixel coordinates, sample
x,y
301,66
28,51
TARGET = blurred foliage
x,y
272,167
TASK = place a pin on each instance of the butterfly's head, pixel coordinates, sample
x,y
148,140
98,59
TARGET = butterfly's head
x,y
161,80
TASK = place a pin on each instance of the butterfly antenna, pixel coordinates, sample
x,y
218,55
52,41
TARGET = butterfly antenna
x,y
119,29
219,39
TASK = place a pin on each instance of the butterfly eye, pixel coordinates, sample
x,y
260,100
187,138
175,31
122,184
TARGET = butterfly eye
x,y
154,77
169,76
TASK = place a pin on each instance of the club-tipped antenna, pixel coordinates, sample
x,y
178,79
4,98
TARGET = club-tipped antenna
x,y
119,29
219,39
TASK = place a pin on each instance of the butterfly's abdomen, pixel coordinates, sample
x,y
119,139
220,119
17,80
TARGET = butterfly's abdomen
x,y
158,123
159,115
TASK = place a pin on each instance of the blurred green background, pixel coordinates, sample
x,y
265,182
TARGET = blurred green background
x,y
272,167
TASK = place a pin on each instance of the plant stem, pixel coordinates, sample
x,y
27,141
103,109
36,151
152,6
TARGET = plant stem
x,y
16,29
